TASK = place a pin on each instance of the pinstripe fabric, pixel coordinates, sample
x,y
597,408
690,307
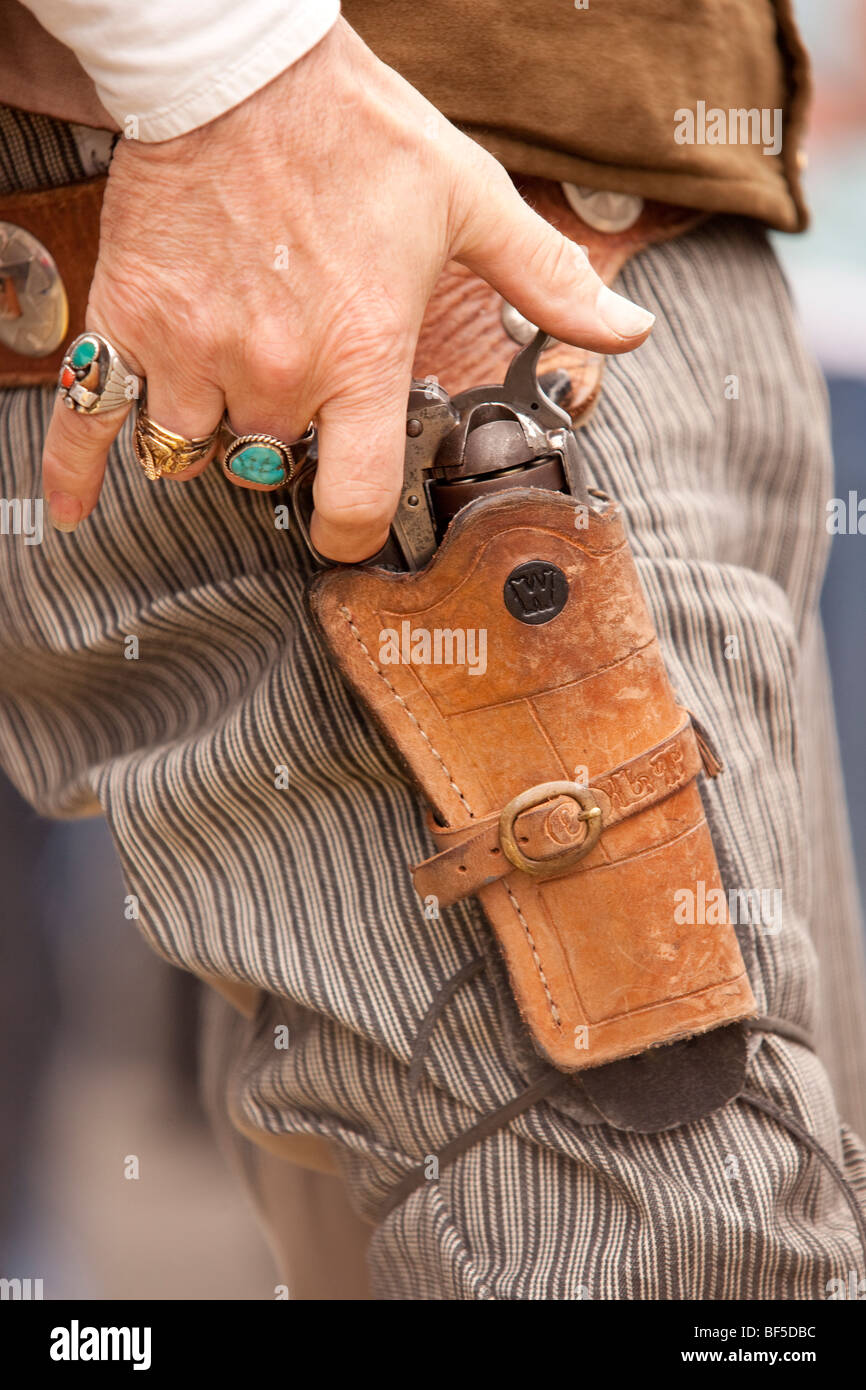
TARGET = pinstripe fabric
x,y
36,152
304,891
720,1209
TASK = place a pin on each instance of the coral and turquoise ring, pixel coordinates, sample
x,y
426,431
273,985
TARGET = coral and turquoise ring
x,y
94,377
261,461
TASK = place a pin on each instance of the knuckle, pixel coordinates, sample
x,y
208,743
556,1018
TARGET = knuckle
x,y
478,173
359,503
374,329
193,331
269,358
155,320
79,454
480,187
492,176
122,305
557,260
277,370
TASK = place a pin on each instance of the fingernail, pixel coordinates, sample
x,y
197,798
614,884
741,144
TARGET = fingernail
x,y
64,512
621,315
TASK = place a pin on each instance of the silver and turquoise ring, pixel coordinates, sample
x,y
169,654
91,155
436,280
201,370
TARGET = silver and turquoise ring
x,y
261,461
94,377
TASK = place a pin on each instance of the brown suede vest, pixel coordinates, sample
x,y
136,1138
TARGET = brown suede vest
x,y
595,95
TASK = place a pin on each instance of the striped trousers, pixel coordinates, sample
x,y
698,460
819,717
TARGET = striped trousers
x,y
158,666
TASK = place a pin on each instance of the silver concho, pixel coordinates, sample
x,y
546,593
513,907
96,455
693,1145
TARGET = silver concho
x,y
34,313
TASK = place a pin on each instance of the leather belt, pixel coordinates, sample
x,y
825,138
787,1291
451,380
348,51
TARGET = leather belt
x,y
65,223
551,835
462,334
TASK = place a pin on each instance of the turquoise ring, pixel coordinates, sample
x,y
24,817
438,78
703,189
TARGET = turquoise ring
x,y
94,378
261,461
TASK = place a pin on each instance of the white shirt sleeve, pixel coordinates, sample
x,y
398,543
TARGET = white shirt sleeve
x,y
164,67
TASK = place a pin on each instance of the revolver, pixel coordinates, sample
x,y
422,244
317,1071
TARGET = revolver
x,y
485,440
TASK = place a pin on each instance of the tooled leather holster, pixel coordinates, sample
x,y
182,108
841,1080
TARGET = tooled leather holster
x,y
517,670
562,776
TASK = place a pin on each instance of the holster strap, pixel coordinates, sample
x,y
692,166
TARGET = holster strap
x,y
546,830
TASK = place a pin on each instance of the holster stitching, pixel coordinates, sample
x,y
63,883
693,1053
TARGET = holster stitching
x,y
344,613
554,1012
347,616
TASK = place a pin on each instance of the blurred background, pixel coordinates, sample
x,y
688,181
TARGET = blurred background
x,y
97,1036
827,271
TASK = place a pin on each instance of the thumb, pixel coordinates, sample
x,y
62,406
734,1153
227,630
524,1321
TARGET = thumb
x,y
545,275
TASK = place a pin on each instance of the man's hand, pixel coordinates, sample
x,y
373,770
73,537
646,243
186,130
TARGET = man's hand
x,y
278,263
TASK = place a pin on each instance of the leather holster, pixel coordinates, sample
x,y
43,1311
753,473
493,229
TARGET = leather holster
x,y
561,772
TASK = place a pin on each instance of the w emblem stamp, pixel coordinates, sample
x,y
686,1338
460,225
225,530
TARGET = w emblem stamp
x,y
535,592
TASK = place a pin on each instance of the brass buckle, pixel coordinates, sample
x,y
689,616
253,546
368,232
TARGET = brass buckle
x,y
536,796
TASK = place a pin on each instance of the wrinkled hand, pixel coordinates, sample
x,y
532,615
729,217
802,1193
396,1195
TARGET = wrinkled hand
x,y
278,261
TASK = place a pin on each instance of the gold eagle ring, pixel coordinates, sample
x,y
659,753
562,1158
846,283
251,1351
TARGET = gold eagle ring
x,y
162,453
